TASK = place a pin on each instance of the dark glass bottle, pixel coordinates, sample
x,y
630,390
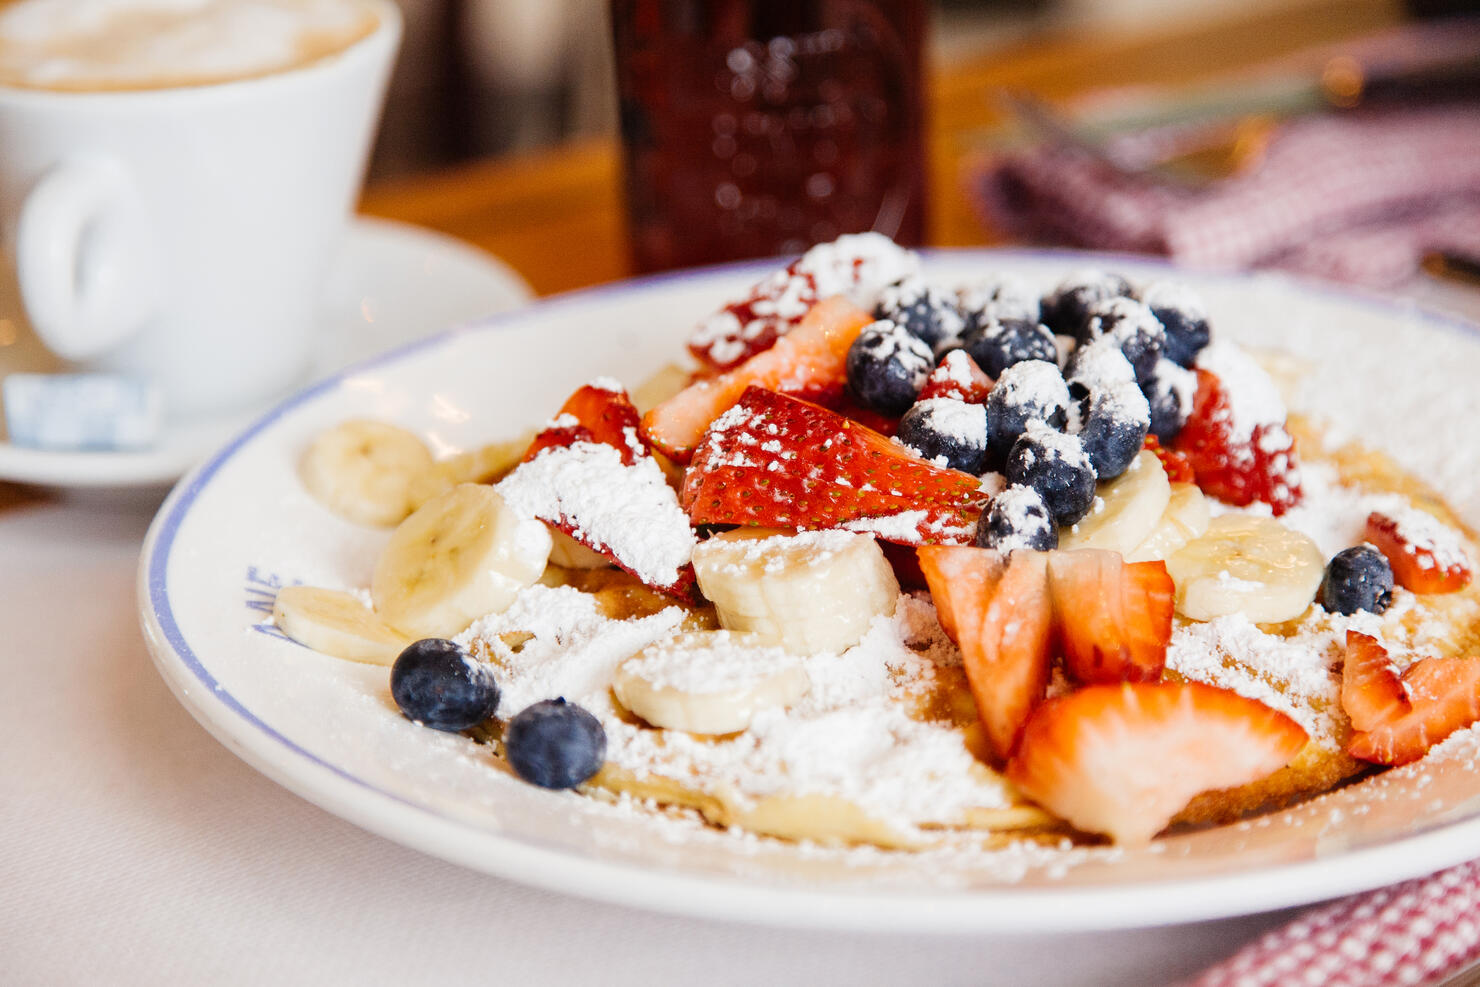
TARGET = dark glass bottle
x,y
756,127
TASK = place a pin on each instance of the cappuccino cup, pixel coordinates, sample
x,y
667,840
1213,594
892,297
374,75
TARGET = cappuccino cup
x,y
175,176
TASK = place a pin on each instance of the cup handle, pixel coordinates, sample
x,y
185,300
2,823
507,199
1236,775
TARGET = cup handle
x,y
85,259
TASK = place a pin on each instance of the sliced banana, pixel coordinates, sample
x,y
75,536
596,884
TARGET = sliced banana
x,y
1127,509
1186,517
363,470
336,623
460,556
568,553
1246,564
811,592
484,464
709,682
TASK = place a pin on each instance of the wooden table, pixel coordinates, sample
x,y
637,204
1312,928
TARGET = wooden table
x,y
556,215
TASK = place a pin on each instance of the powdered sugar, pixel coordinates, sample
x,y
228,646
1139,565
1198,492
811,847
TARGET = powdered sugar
x,y
1433,544
957,420
710,664
1032,384
1253,398
629,511
573,651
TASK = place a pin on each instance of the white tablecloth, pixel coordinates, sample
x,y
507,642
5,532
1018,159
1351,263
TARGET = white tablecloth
x,y
135,849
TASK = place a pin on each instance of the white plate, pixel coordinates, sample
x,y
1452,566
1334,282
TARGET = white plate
x,y
391,283
327,729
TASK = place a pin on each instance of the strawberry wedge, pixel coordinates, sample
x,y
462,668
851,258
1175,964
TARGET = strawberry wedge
x,y
1426,556
997,610
1113,618
957,376
1397,718
597,412
779,462
626,509
1236,466
1124,759
809,362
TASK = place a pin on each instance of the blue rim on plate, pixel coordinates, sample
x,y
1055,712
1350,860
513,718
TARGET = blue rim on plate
x,y
565,869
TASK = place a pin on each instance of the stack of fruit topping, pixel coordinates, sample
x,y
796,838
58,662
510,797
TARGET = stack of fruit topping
x,y
1055,463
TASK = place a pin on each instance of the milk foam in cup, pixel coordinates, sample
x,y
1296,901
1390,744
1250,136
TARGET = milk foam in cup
x,y
175,176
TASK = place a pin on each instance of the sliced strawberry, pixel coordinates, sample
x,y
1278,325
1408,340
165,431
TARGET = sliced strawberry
x,y
1371,691
957,376
1177,466
809,362
602,414
1397,718
594,413
779,462
1112,618
752,325
999,614
1124,759
856,266
1238,468
1426,556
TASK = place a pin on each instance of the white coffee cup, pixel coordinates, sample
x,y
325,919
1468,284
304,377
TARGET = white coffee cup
x,y
182,233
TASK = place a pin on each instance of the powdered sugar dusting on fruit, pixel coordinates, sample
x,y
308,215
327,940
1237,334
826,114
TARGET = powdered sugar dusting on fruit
x,y
1432,542
629,511
858,267
710,664
1033,383
1100,363
1173,295
1253,398
957,420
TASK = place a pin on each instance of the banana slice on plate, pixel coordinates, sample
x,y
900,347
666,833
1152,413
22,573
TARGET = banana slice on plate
x,y
1246,564
1187,516
364,470
810,592
336,623
568,553
708,682
460,556
1127,509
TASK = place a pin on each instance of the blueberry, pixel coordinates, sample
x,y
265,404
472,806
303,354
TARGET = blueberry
x,y
997,298
1099,363
999,344
1181,312
1017,518
1067,306
923,310
555,744
1112,427
1132,327
1357,578
1033,390
1057,466
945,428
439,685
1169,393
887,367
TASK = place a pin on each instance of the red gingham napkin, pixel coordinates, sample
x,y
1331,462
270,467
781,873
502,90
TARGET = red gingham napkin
x,y
1357,197
1415,933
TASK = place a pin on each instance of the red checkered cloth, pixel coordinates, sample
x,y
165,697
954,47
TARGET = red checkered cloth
x,y
1356,197
1415,933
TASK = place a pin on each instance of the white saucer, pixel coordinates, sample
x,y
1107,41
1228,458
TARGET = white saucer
x,y
392,283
